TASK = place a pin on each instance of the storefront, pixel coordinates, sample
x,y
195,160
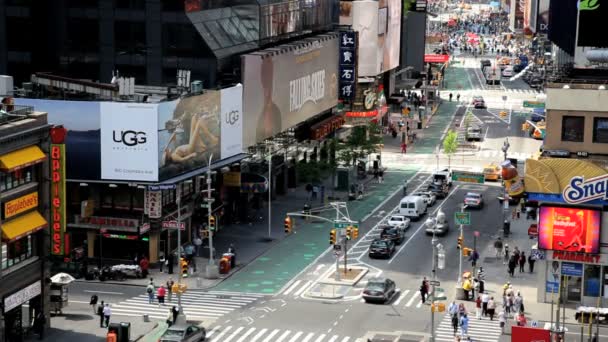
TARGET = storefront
x,y
19,310
572,198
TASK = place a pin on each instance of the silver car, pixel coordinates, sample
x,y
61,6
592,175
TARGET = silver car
x,y
184,333
428,197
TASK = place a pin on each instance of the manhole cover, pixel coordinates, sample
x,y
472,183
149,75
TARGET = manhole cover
x,y
489,260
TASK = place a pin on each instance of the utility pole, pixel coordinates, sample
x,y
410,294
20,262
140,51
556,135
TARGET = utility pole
x,y
179,249
459,283
211,272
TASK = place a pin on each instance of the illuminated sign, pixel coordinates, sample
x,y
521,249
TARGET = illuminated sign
x,y
368,114
580,190
429,58
560,255
57,198
21,204
569,229
120,236
108,222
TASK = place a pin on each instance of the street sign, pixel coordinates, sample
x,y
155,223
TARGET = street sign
x,y
337,247
435,282
469,177
463,218
173,225
160,187
534,104
341,225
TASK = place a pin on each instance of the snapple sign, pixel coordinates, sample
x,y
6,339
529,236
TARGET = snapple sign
x,y
582,190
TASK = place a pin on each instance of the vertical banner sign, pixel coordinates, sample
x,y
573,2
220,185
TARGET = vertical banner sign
x,y
154,200
348,65
57,198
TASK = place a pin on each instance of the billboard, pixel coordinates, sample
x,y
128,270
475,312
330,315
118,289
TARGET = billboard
x,y
286,85
542,23
365,21
569,229
591,22
530,14
391,41
129,141
82,143
232,121
188,133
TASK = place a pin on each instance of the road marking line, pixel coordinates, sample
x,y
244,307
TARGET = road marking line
x,y
303,288
295,337
213,331
284,335
224,332
308,337
346,339
292,287
79,301
245,335
229,338
419,304
388,198
104,292
320,338
414,297
269,338
256,337
403,294
333,339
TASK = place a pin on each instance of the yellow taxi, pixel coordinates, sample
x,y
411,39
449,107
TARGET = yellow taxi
x,y
491,172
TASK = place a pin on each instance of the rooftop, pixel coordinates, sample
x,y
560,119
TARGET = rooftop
x,y
580,79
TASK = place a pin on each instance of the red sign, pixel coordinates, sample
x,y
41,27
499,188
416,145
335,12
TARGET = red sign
x,y
57,198
559,255
528,334
110,222
436,58
173,225
569,229
192,5
325,127
368,114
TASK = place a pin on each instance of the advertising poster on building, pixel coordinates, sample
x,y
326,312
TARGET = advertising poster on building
x,y
58,204
365,21
232,121
287,85
83,144
188,133
348,65
569,229
129,141
592,21
543,17
572,269
391,40
530,14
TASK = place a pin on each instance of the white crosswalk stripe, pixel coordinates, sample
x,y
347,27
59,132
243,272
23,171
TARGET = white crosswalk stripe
x,y
479,330
495,153
252,334
197,305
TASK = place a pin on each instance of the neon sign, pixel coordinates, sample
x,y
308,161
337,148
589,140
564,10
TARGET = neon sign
x,y
57,198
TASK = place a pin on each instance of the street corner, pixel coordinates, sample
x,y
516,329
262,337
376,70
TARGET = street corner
x,y
349,277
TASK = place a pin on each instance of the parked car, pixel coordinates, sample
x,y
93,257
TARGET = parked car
x,y
428,197
478,102
184,333
399,221
473,200
394,234
473,133
440,191
381,249
412,206
508,72
491,172
379,290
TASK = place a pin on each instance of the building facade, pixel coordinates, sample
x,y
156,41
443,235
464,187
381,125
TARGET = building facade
x,y
24,195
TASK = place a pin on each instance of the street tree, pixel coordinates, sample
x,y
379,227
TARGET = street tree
x,y
450,145
363,141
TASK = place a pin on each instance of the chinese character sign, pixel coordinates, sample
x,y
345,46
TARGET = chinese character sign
x,y
348,64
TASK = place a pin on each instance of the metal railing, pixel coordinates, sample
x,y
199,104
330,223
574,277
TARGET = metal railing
x,y
11,113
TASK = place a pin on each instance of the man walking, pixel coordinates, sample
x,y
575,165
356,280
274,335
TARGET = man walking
x,y
464,326
485,298
531,262
498,247
107,312
100,313
424,290
522,262
170,283
150,292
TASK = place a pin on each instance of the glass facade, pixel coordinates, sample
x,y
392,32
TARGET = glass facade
x,y
17,251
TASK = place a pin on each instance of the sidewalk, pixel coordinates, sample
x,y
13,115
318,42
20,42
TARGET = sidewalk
x,y
428,138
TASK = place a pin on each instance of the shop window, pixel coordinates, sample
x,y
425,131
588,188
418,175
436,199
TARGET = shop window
x,y
573,128
168,197
17,251
16,178
600,130
592,281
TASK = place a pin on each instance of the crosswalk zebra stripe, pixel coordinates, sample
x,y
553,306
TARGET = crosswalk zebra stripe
x,y
292,287
303,288
333,339
308,337
320,338
479,330
236,332
346,339
285,334
295,337
414,297
260,333
271,336
242,339
222,333
213,331
403,294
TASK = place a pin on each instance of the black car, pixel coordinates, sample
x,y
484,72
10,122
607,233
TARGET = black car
x,y
379,290
395,234
381,249
485,63
440,191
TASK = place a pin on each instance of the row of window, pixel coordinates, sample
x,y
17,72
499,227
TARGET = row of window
x,y
573,129
16,178
17,251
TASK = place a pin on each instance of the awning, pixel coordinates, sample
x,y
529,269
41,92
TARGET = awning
x,y
22,226
21,158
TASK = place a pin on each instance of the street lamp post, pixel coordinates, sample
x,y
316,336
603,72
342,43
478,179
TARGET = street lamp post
x,y
211,272
505,149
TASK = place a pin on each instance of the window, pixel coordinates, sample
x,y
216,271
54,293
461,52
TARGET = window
x,y
19,34
82,36
592,280
573,128
130,4
130,38
17,251
16,178
168,197
600,130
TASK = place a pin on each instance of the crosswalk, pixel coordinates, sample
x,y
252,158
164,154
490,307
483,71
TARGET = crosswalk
x,y
251,334
196,305
490,154
482,330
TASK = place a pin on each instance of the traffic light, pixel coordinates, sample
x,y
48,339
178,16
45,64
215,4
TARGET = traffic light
x,y
183,264
460,241
467,251
332,237
355,233
205,233
288,225
503,114
211,223
349,231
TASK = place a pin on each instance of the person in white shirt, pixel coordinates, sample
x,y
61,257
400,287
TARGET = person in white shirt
x,y
107,312
502,320
453,309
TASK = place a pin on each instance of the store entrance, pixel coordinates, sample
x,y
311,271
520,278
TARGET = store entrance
x,y
13,321
573,286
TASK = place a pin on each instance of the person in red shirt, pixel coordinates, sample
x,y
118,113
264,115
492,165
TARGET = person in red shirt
x,y
144,264
160,294
403,147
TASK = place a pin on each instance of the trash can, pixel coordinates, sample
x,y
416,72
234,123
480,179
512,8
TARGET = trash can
x,y
115,328
506,227
224,265
231,257
125,332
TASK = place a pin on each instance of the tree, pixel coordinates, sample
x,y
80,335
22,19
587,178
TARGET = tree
x,y
362,141
450,145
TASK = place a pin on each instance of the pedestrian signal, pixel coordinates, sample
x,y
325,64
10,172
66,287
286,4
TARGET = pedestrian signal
x,y
460,241
355,233
288,225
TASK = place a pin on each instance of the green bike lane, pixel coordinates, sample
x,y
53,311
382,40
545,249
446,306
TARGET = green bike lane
x,y
432,135
274,269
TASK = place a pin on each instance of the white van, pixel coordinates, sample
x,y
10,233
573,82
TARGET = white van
x,y
412,206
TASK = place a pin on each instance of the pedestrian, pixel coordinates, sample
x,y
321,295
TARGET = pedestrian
x,y
455,323
453,309
519,298
175,312
403,147
508,304
516,253
512,264
513,214
100,313
107,312
170,283
144,264
518,213
473,258
381,176
481,278
485,298
150,292
424,290
160,295
93,303
491,308
161,261
38,326
450,97
464,325
467,286
506,254
404,188
478,307
521,320
498,247
170,263
502,320
458,97
531,262
522,262
461,309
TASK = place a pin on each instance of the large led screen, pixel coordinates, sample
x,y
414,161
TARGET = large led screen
x,y
569,229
